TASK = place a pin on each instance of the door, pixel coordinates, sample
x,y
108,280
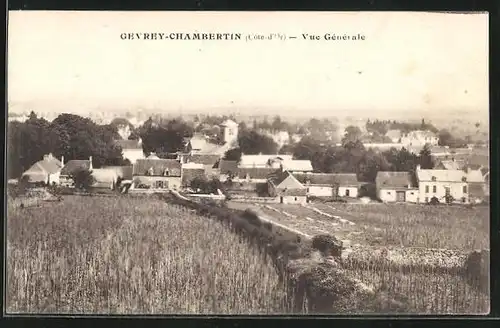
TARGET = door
x,y
281,199
347,192
400,196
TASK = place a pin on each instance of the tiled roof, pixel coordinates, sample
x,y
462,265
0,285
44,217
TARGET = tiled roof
x,y
226,166
189,174
476,190
441,175
386,179
129,144
278,176
292,192
477,159
205,159
298,165
342,179
475,176
261,160
452,164
229,123
255,172
74,165
159,166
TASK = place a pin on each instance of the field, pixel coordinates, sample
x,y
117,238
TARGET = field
x,y
135,256
422,290
448,227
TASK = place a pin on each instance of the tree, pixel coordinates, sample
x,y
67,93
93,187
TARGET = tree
x,y
425,158
233,155
83,179
351,134
166,137
252,142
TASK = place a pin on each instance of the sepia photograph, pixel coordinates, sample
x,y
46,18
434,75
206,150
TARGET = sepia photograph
x,y
247,163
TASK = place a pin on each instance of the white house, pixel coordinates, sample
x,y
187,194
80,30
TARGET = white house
x,y
396,187
45,171
229,131
415,138
329,184
442,183
131,150
284,186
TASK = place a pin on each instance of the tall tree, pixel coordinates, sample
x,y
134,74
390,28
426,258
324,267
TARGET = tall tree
x,y
352,134
425,158
251,142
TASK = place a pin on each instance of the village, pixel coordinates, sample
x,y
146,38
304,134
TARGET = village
x,y
459,175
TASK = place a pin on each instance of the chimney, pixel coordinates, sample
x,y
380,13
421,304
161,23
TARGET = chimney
x,y
139,142
90,160
418,167
45,157
62,160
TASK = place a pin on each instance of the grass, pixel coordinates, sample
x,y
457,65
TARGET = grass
x,y
449,227
127,255
424,292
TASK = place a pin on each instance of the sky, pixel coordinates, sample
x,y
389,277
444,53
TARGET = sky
x,y
76,61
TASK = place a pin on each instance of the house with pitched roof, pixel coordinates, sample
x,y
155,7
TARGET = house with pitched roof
x,y
227,169
450,164
330,184
229,130
419,137
394,135
395,187
261,160
284,186
131,149
71,167
156,173
45,171
442,184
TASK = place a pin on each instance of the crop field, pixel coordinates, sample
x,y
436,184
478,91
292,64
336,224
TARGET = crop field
x,y
426,291
125,255
449,227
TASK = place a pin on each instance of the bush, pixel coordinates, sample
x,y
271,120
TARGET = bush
x,y
83,179
251,217
328,245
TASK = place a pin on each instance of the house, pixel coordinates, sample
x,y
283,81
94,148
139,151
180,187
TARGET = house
x,y
420,137
329,184
477,184
229,132
394,135
209,162
191,171
254,174
283,185
157,173
443,183
396,187
249,161
296,166
45,171
131,149
70,168
450,164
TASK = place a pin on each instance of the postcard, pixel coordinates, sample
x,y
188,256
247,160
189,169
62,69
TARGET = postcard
x,y
247,163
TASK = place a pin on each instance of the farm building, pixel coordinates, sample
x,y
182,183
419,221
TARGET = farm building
x,y
45,171
478,186
297,166
70,168
420,138
396,187
208,161
131,149
287,188
329,184
191,171
254,175
157,173
443,183
109,176
263,161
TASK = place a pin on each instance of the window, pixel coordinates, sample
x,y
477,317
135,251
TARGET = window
x,y
347,192
295,198
464,199
426,199
159,184
166,173
426,189
434,189
433,178
464,189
